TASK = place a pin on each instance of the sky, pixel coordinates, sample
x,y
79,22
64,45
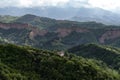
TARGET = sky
x,y
104,4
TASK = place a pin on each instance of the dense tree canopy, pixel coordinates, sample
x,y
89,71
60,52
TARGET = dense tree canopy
x,y
26,63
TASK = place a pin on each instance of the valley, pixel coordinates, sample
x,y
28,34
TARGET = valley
x,y
59,40
40,48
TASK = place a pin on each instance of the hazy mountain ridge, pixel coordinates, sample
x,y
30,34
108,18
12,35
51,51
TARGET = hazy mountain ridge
x,y
97,62
69,13
59,40
97,15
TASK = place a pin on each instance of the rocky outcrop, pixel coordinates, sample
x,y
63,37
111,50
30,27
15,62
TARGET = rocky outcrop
x,y
14,25
111,34
62,32
35,31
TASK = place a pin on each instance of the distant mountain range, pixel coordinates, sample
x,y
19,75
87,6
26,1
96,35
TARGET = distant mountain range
x,y
47,33
51,12
76,14
97,15
66,50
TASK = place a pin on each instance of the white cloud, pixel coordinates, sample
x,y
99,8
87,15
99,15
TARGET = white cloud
x,y
25,3
32,3
8,3
78,3
105,4
39,3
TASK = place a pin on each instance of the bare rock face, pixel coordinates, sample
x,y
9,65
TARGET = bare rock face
x,y
14,25
111,34
34,31
66,31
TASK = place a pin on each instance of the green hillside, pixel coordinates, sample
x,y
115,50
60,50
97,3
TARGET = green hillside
x,y
107,54
52,24
40,22
47,33
26,63
8,18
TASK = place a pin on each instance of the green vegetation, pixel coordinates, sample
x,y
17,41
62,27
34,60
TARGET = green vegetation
x,y
73,34
26,63
93,62
7,18
40,22
107,54
6,73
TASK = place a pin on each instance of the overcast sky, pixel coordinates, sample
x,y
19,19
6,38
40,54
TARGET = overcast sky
x,y
105,4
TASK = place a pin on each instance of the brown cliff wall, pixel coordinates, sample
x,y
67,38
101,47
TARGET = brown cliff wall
x,y
66,31
111,34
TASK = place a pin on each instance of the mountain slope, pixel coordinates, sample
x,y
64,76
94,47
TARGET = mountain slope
x,y
69,13
97,15
52,34
6,73
41,22
7,18
109,55
36,64
51,12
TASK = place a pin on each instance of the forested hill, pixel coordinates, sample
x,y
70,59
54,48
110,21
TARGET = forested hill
x,y
107,54
47,33
26,63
